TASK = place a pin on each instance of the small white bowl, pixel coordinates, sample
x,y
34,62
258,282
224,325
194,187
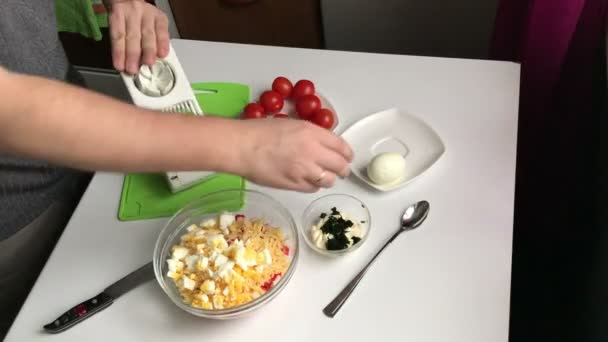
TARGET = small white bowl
x,y
349,206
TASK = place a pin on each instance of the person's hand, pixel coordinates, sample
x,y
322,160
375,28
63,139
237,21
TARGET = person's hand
x,y
139,33
293,154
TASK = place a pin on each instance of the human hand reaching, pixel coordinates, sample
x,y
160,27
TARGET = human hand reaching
x,y
139,33
293,154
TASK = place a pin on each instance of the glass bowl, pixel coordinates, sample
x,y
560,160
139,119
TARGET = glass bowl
x,y
250,203
351,207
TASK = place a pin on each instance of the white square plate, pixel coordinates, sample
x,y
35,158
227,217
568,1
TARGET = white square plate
x,y
393,130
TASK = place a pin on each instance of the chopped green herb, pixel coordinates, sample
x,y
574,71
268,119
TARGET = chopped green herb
x,y
337,226
362,221
355,240
338,242
324,215
334,226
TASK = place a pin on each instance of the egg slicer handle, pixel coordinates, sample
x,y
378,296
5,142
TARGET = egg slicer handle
x,y
79,313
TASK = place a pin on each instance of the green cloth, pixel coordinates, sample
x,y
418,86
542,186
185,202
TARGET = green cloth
x,y
77,16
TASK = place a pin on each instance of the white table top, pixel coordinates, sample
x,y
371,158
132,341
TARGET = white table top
x,y
447,281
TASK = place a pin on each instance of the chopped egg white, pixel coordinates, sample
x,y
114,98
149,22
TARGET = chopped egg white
x,y
203,263
220,261
225,270
202,297
175,265
208,223
208,287
191,228
235,247
226,220
217,242
191,261
267,257
214,256
200,248
173,275
218,302
180,252
189,284
244,257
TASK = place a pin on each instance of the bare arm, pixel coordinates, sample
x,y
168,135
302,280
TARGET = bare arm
x,y
78,128
81,129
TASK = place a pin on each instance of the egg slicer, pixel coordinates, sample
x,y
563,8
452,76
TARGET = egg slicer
x,y
164,87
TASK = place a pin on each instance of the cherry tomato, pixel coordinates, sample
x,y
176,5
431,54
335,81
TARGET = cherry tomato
x,y
323,117
307,105
282,86
281,116
271,101
253,111
303,87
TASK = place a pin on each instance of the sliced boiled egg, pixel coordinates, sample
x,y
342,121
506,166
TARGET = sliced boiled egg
x,y
156,80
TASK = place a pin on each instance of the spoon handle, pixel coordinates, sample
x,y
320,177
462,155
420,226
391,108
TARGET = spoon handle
x,y
332,308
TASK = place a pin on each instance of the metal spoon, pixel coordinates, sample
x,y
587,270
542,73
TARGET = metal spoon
x,y
413,217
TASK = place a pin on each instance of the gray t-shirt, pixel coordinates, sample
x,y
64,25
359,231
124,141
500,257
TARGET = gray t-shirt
x,y
29,44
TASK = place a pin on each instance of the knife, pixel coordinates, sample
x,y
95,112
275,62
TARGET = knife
x,y
92,306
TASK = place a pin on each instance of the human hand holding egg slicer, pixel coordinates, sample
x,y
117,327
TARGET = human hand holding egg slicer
x,y
165,87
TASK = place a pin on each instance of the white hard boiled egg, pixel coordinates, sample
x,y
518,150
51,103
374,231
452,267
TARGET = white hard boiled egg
x,y
386,168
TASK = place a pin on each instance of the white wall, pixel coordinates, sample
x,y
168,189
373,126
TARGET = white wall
x,y
450,28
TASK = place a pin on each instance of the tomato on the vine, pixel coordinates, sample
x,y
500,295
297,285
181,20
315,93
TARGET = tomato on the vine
x,y
282,86
271,101
301,88
307,105
254,111
281,116
323,117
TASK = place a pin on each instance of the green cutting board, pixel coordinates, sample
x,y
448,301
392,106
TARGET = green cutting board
x,y
147,196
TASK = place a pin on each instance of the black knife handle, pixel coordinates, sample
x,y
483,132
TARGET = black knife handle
x,y
79,313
